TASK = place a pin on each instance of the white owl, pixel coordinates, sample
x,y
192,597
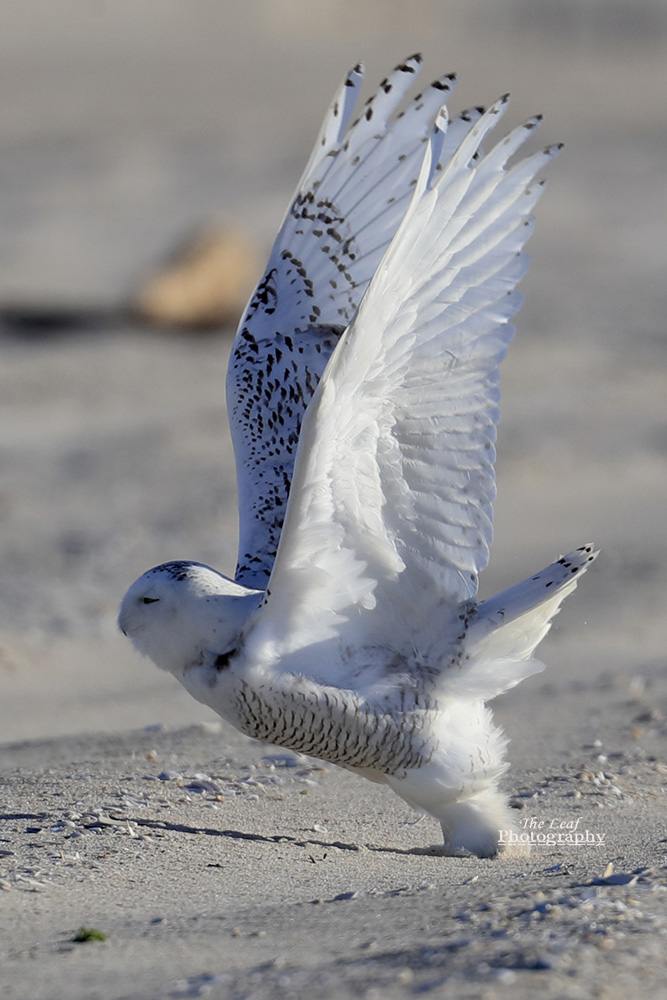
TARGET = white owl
x,y
363,399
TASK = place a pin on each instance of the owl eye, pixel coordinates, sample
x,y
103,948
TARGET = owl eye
x,y
149,600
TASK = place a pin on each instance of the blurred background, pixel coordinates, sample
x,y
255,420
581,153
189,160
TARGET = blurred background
x,y
127,126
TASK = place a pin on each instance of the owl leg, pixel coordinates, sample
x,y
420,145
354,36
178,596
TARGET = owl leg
x,y
481,825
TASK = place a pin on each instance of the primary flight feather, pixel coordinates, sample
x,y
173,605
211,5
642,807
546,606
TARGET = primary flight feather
x,y
363,398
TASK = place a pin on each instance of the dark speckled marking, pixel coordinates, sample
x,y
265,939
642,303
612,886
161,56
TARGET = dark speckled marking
x,y
222,661
271,399
175,570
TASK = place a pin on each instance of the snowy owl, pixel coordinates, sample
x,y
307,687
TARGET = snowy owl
x,y
363,400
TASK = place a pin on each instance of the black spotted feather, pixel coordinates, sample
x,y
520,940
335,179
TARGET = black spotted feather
x,y
347,207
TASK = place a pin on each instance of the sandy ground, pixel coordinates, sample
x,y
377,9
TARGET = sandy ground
x,y
216,866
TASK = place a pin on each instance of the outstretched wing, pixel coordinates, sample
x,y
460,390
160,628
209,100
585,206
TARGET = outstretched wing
x,y
348,205
391,503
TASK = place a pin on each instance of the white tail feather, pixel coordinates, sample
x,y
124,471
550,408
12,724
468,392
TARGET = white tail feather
x,y
508,627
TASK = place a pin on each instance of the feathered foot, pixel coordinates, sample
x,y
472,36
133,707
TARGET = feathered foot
x,y
479,825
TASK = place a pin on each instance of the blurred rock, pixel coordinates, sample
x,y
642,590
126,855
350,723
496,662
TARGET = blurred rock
x,y
205,285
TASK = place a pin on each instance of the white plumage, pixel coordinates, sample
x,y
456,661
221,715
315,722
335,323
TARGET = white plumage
x,y
363,397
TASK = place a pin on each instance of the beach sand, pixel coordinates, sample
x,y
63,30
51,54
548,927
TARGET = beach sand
x,y
216,866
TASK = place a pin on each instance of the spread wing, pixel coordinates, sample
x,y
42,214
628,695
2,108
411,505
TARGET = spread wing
x,y
391,503
347,207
